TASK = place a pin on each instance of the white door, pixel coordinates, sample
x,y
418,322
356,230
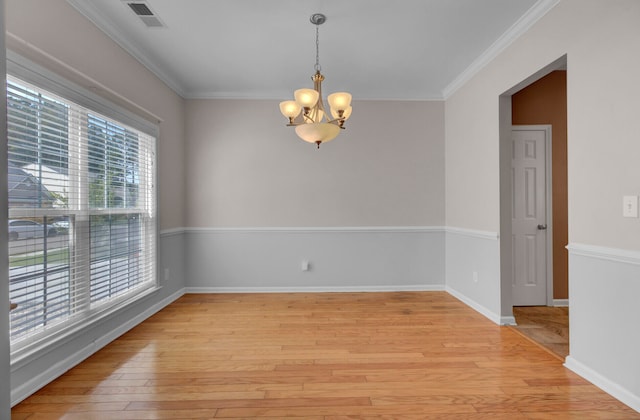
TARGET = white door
x,y
529,211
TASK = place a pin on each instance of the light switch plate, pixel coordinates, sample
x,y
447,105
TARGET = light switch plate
x,y
630,206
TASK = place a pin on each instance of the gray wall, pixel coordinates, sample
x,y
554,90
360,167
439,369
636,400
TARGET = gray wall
x,y
340,259
604,344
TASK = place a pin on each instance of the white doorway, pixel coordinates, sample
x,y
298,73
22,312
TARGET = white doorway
x,y
531,270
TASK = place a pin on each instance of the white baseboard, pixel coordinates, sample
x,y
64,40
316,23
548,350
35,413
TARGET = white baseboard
x,y
561,302
28,388
603,383
336,289
312,229
500,320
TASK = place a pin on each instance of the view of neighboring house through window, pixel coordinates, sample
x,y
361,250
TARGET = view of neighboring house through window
x,y
82,222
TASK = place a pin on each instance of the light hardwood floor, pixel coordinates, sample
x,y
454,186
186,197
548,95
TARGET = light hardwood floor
x,y
422,355
546,325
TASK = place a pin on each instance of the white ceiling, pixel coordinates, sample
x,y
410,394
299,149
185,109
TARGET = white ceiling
x,y
375,49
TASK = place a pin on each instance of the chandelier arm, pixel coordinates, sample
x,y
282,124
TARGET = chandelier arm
x,y
308,117
300,120
310,121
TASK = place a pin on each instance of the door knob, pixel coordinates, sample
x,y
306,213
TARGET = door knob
x,y
542,227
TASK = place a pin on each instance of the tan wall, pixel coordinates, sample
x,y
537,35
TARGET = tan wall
x,y
247,169
603,141
54,29
545,102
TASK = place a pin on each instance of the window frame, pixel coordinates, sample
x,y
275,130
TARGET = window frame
x,y
32,73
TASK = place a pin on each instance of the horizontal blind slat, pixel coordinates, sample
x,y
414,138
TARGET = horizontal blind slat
x,y
84,182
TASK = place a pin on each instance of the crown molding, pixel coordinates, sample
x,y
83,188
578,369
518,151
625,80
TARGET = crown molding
x,y
526,21
88,10
279,96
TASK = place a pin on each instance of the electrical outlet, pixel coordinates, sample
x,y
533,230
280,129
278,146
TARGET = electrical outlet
x,y
305,265
475,276
630,206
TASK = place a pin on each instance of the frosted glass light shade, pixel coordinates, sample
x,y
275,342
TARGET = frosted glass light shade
x,y
345,115
317,132
339,101
290,109
306,98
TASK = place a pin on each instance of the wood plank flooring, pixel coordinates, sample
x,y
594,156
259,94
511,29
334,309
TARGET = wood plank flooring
x,y
546,325
321,356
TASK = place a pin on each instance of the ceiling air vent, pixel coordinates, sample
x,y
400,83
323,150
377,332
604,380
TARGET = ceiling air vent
x,y
142,10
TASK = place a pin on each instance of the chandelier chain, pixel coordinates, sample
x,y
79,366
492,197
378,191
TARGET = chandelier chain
x,y
317,66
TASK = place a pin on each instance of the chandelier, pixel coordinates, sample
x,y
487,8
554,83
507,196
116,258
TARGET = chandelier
x,y
307,114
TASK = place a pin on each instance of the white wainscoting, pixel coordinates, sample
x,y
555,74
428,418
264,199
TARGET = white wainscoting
x,y
604,289
473,271
340,259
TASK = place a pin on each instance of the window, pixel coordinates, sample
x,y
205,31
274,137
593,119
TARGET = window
x,y
82,213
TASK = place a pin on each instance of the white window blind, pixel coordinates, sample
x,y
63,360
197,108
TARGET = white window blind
x,y
82,215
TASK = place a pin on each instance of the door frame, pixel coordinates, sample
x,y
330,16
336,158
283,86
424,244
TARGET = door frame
x,y
505,156
548,205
